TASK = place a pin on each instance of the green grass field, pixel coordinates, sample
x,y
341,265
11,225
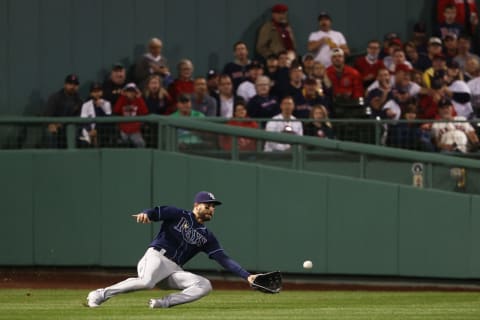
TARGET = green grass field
x,y
67,304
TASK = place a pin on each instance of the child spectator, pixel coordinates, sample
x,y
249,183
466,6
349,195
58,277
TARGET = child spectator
x,y
244,144
156,97
131,104
321,127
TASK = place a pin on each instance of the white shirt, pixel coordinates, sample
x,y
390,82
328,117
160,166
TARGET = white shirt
x,y
281,126
323,53
246,90
393,105
452,132
376,85
474,86
88,111
226,107
462,109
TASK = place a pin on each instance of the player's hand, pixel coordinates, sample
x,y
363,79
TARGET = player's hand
x,y
141,217
251,278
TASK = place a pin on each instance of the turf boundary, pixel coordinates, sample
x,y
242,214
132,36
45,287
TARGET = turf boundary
x,y
88,278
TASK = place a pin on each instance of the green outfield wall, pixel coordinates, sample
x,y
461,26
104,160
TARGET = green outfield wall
x,y
73,208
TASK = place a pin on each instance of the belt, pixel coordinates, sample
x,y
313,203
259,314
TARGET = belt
x,y
161,251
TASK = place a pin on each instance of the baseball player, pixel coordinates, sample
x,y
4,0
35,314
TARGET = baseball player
x,y
181,236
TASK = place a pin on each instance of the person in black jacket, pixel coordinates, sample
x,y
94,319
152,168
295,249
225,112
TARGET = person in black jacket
x,y
63,103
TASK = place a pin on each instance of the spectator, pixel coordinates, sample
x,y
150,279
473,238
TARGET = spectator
x,y
420,37
322,42
246,90
388,61
418,60
450,46
131,104
156,97
308,63
389,39
187,138
284,122
272,68
417,77
212,83
184,82
471,69
276,35
151,63
434,49
311,95
409,134
449,24
453,137
474,85
466,13
320,127
226,98
463,51
428,104
263,104
369,64
294,87
238,69
384,82
244,144
201,100
282,79
320,75
399,58
158,101
403,79
113,86
63,103
458,91
375,102
439,64
393,108
346,81
184,108
92,134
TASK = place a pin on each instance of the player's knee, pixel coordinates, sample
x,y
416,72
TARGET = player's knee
x,y
148,283
205,286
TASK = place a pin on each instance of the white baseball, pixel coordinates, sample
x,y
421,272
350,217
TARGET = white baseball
x,y
307,264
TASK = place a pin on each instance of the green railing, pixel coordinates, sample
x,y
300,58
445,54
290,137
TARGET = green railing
x,y
167,137
332,156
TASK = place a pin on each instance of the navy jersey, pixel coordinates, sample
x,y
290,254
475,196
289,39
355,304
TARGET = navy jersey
x,y
181,235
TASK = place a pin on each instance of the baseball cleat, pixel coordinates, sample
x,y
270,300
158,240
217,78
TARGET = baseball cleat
x,y
95,298
156,303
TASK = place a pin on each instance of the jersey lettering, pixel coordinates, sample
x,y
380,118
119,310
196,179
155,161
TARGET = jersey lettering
x,y
190,235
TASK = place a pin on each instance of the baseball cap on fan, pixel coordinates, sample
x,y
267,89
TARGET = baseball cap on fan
x,y
206,197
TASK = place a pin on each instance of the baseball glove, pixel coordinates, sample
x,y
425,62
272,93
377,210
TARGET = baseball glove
x,y
270,282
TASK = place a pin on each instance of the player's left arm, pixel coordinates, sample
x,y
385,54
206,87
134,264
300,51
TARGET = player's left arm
x,y
232,266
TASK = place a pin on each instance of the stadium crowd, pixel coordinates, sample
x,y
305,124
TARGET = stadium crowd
x,y
427,77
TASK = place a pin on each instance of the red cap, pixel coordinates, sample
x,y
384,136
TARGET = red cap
x,y
280,8
402,67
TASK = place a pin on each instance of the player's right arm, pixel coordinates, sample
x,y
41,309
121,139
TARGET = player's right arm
x,y
157,214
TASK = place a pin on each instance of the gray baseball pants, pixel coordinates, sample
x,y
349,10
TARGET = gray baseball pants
x,y
153,268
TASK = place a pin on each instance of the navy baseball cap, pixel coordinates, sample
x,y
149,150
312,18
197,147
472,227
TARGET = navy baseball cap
x,y
206,197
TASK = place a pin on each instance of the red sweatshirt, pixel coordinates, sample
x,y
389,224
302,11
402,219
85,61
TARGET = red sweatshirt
x,y
133,108
349,84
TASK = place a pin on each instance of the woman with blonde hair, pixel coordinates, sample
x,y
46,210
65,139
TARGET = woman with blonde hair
x,y
320,126
156,97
